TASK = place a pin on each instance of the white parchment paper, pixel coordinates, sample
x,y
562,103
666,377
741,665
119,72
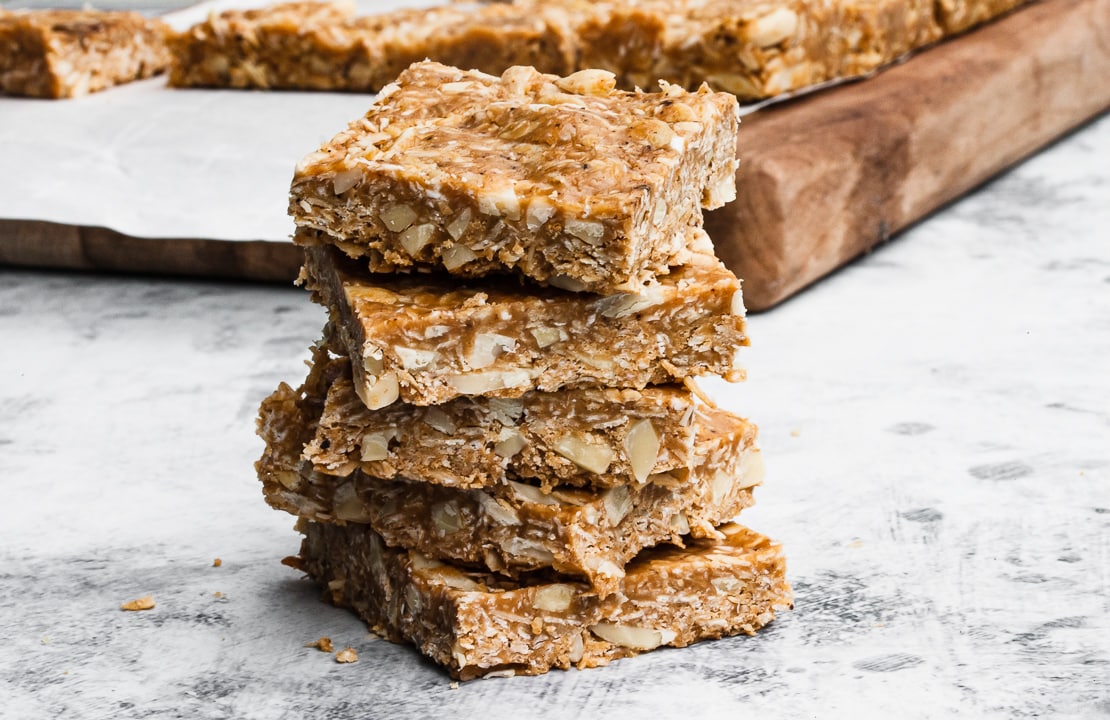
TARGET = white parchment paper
x,y
154,162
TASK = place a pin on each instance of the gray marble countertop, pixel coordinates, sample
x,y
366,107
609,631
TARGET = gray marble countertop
x,y
936,423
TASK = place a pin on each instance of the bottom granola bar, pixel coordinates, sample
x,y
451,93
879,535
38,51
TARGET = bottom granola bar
x,y
477,624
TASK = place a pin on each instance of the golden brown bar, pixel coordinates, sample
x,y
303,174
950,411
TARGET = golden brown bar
x,y
515,527
428,339
583,437
69,53
296,45
323,46
563,180
477,624
956,16
752,48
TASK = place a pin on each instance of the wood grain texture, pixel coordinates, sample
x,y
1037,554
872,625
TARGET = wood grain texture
x,y
32,243
825,178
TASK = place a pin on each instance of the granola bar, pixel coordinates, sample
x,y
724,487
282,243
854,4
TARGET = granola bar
x,y
477,624
564,180
956,16
583,437
516,527
324,46
753,48
68,53
878,32
427,340
301,45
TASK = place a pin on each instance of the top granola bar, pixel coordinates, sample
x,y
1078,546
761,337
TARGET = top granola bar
x,y
562,179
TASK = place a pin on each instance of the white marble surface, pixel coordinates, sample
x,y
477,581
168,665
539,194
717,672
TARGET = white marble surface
x,y
936,420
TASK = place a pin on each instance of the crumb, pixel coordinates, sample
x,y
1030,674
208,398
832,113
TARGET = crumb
x,y
294,562
46,641
537,625
218,594
323,645
144,603
454,686
217,562
795,433
346,655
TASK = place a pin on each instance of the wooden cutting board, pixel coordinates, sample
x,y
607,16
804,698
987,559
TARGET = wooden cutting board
x,y
828,176
822,178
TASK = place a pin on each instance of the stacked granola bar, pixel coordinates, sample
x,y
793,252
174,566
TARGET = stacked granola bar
x,y
498,454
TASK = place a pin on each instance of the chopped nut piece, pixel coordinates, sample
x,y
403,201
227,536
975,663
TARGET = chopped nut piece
x,y
144,603
618,503
375,446
416,237
554,598
642,446
491,625
510,442
588,456
347,655
629,636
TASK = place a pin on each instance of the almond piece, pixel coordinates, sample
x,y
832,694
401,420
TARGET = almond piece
x,y
642,446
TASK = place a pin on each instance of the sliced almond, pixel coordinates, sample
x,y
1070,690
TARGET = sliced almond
x,y
618,503
381,392
459,223
588,231
642,446
375,446
773,28
556,597
540,210
479,383
397,217
416,237
446,516
415,359
439,420
547,336
629,636
592,457
487,347
509,442
588,82
624,304
500,514
456,256
531,494
345,180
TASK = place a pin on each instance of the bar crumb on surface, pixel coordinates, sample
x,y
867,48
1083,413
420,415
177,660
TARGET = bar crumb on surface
x,y
323,644
144,603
